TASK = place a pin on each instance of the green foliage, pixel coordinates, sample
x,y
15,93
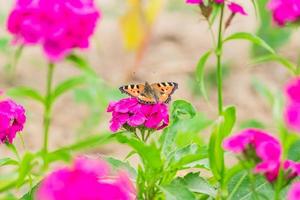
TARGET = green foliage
x,y
222,128
242,188
273,35
254,39
200,72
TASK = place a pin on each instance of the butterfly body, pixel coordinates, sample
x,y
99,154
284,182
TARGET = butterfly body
x,y
151,94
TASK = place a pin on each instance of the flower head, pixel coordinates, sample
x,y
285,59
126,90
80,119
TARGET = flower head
x,y
259,146
294,192
130,112
292,108
53,24
285,11
236,8
87,179
194,1
12,119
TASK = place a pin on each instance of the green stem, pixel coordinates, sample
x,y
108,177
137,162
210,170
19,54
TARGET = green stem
x,y
14,150
219,51
15,60
48,106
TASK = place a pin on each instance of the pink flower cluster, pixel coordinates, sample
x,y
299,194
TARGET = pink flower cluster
x,y
285,11
57,25
294,192
12,119
87,179
267,153
233,7
131,112
292,110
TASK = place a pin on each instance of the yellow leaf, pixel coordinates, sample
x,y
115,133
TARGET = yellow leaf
x,y
153,9
132,29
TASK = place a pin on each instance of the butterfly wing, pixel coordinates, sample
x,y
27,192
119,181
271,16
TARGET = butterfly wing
x,y
164,90
133,89
138,91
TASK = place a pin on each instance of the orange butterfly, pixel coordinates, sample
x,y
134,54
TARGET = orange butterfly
x,y
151,94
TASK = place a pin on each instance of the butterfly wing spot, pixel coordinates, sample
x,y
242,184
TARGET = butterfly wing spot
x,y
132,90
164,90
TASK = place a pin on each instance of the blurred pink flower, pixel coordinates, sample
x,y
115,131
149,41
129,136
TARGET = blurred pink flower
x,y
292,108
236,8
294,192
58,26
285,11
194,1
130,111
12,119
87,179
292,116
292,168
292,90
267,150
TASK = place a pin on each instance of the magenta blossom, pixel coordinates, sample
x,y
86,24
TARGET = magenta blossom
x,y
58,26
12,119
294,192
131,112
285,11
267,150
236,8
87,179
194,1
292,109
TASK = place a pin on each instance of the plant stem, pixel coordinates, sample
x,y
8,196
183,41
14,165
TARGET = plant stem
x,y
219,51
14,63
48,106
14,150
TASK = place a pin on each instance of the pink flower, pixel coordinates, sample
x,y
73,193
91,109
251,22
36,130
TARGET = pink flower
x,y
12,119
53,24
236,8
292,90
267,150
292,116
285,11
294,192
292,168
292,108
194,1
87,179
131,112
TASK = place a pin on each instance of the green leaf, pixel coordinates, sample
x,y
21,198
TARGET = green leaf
x,y
293,152
31,194
279,59
200,72
252,38
222,129
252,123
68,85
81,64
149,154
118,164
25,92
7,161
182,110
275,36
179,158
197,184
177,191
263,91
240,188
25,168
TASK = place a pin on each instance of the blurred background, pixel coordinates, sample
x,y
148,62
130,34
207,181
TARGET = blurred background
x,y
154,41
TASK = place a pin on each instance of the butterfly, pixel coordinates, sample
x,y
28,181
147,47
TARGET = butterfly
x,y
151,94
